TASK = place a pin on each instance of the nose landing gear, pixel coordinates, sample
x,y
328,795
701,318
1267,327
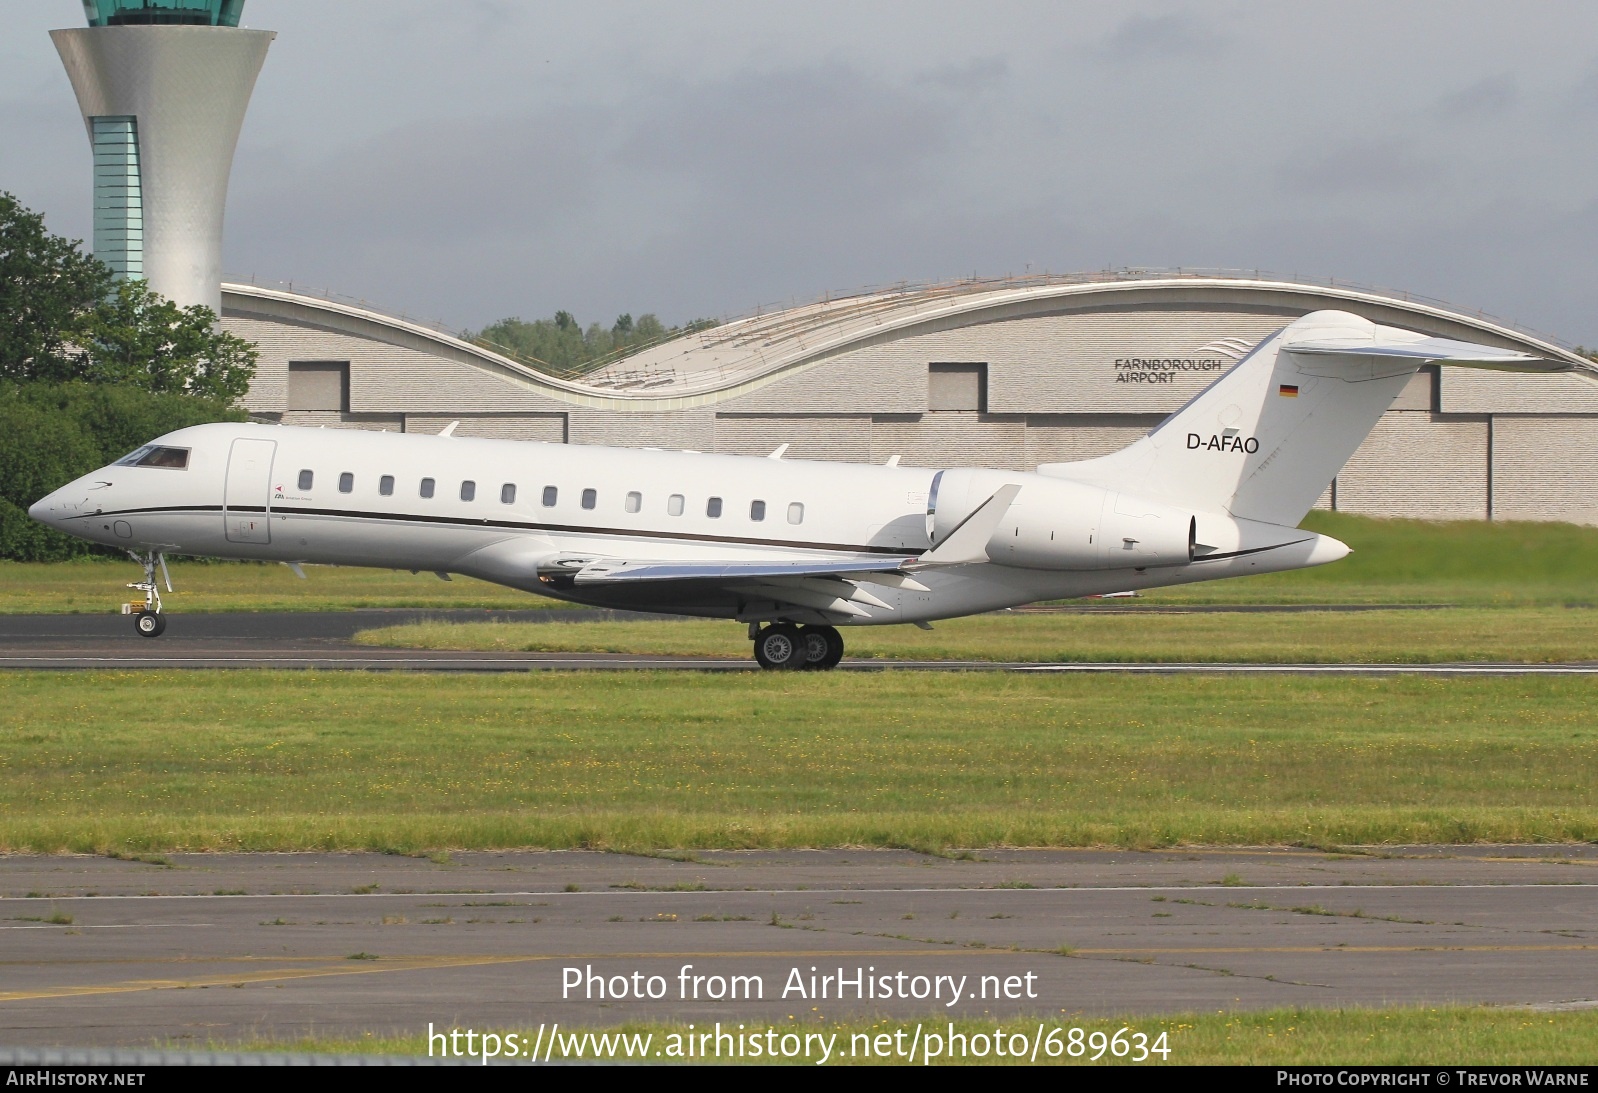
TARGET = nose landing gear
x,y
783,646
147,617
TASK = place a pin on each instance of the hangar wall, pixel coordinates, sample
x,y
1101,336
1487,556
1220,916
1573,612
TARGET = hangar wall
x,y
1027,382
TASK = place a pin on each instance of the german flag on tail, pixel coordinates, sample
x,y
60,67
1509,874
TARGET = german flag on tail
x,y
1288,390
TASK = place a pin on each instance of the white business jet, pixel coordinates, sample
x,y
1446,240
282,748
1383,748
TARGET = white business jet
x,y
792,548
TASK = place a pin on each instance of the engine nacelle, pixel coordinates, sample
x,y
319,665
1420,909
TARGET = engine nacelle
x,y
1059,524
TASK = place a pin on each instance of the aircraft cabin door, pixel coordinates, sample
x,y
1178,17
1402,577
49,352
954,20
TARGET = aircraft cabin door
x,y
247,503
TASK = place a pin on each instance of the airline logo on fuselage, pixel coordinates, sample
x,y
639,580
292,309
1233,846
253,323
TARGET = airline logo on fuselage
x,y
1228,441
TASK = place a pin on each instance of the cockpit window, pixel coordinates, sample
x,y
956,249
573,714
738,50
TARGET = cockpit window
x,y
154,455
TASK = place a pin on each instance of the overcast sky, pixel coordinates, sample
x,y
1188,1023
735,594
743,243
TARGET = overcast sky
x,y
477,159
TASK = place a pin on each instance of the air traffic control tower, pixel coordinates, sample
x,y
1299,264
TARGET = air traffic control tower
x,y
163,86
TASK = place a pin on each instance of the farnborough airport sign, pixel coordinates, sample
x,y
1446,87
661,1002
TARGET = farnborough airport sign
x,y
1227,352
1163,369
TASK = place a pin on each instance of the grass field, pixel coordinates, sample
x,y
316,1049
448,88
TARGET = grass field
x,y
100,585
1401,1036
1442,635
288,761
1394,561
1424,561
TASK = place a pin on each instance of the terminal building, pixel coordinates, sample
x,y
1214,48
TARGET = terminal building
x,y
1008,373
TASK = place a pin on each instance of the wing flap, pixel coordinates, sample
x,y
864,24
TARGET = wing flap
x,y
610,572
832,602
831,588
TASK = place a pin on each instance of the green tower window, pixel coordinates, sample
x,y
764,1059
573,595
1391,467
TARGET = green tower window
x,y
192,13
118,196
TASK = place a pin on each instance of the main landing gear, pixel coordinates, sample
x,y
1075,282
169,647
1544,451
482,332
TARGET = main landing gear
x,y
147,617
782,646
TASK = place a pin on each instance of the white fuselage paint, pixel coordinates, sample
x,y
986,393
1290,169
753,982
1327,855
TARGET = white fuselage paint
x,y
239,497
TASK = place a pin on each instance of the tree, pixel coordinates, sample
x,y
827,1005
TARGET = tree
x,y
562,345
51,433
136,338
64,317
47,286
91,368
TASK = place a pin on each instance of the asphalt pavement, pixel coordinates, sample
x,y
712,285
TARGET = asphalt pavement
x,y
197,949
322,640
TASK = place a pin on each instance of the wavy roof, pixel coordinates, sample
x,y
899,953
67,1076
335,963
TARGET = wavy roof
x,y
712,365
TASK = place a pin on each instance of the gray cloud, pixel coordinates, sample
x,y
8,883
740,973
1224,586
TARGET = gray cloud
x,y
1175,35
1488,96
973,76
788,142
1585,95
1357,166
474,160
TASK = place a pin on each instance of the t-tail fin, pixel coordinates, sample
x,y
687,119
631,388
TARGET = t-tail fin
x,y
1265,440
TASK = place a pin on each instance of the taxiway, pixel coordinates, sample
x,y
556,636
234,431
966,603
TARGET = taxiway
x,y
197,949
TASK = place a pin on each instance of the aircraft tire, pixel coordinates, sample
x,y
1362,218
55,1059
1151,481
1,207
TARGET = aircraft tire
x,y
815,647
780,647
149,624
823,647
834,649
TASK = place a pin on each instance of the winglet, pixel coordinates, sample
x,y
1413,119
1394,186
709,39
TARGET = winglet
x,y
778,454
968,542
448,430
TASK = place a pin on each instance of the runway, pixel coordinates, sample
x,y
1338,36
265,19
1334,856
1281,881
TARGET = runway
x,y
197,949
321,641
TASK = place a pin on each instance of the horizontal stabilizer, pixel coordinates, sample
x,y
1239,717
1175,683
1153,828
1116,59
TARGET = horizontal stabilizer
x,y
1429,351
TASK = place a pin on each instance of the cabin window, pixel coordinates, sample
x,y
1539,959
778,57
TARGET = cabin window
x,y
757,511
306,478
551,495
154,455
385,485
590,498
427,487
796,513
713,507
674,504
468,490
507,494
635,501
346,482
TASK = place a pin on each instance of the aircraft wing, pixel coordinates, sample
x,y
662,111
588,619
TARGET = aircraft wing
x,y
611,571
829,586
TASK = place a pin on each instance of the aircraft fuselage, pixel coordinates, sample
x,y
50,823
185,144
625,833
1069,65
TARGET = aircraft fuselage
x,y
501,509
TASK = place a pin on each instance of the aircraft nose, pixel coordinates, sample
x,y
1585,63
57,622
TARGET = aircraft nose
x,y
48,509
